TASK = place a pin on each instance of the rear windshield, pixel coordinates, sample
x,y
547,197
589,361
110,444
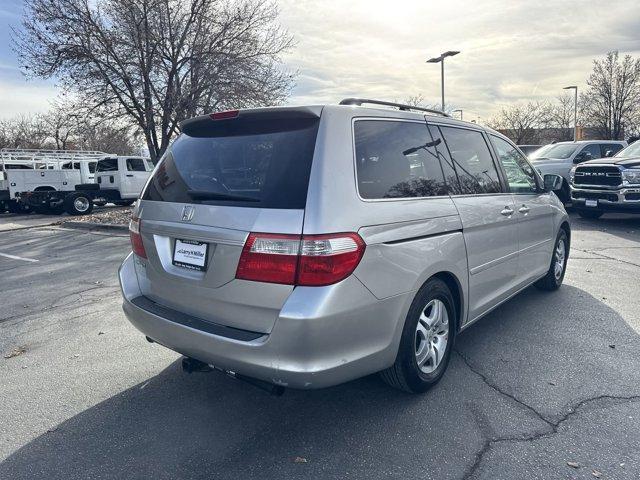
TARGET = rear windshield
x,y
256,164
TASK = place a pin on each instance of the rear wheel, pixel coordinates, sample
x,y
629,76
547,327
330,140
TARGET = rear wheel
x,y
555,275
78,204
427,340
590,214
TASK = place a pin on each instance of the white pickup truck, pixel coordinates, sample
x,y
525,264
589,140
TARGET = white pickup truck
x,y
55,181
118,180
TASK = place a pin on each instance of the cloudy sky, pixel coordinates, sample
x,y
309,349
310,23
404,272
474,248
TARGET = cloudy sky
x,y
512,51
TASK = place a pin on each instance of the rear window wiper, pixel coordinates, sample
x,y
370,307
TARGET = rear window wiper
x,y
205,195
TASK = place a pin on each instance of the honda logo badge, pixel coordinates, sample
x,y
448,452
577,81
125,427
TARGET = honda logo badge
x,y
187,213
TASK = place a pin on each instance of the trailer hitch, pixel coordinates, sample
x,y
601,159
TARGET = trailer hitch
x,y
191,365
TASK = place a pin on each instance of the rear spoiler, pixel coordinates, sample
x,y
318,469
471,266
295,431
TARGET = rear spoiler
x,y
256,120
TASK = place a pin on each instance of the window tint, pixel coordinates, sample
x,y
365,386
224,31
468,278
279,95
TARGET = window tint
x,y
253,163
520,175
92,167
472,160
450,177
593,149
136,165
107,165
396,160
613,148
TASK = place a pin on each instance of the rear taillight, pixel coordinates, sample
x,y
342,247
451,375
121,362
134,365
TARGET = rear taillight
x,y
310,260
136,239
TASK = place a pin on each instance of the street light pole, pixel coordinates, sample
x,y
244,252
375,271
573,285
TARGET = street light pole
x,y
440,60
575,111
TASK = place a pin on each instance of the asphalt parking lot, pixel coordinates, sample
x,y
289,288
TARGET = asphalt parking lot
x,y
547,386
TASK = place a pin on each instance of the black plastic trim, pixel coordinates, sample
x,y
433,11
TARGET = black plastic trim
x,y
422,237
190,321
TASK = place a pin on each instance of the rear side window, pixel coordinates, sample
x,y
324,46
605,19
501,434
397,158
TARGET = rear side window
x,y
107,165
396,159
472,161
254,164
609,149
136,165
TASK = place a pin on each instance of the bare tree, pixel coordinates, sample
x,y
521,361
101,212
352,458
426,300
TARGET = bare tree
x,y
523,123
157,62
562,117
24,131
612,100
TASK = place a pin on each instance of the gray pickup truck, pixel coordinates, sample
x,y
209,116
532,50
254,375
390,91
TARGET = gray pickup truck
x,y
607,184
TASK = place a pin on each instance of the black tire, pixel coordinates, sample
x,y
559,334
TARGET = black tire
x,y
405,374
563,194
124,203
590,214
17,207
99,204
551,281
78,204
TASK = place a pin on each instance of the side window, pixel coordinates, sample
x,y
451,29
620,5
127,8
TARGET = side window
x,y
107,165
472,160
136,165
593,149
396,160
446,163
520,174
611,148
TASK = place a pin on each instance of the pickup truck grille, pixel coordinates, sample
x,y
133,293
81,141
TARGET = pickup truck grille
x,y
605,176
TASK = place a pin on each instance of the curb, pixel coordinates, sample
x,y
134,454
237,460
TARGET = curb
x,y
111,227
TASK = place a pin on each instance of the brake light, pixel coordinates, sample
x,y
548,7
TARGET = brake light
x,y
136,239
224,115
308,260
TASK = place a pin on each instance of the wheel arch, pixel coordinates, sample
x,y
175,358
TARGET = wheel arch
x,y
455,287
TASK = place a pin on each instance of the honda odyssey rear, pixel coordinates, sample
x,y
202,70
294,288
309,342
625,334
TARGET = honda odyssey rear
x,y
299,245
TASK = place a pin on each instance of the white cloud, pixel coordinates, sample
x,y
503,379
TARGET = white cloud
x,y
511,51
18,98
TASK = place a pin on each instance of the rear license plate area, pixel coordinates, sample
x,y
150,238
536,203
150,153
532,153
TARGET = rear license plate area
x,y
190,254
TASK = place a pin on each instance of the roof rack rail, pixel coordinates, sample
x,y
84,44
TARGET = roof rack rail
x,y
400,106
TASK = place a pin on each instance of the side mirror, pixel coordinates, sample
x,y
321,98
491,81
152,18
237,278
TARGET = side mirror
x,y
552,182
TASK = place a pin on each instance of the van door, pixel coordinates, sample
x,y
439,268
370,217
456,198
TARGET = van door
x,y
534,213
133,175
487,213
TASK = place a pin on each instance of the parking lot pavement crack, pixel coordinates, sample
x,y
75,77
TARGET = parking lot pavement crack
x,y
501,391
605,257
552,425
81,299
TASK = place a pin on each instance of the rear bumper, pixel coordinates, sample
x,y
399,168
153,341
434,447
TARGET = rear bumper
x,y
323,336
621,200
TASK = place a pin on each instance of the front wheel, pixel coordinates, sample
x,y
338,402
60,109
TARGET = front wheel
x,y
427,340
590,214
555,275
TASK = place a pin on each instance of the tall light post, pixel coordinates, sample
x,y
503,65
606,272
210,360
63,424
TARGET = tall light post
x,y
575,111
458,110
440,60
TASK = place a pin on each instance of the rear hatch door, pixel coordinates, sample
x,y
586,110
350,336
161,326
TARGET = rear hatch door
x,y
221,180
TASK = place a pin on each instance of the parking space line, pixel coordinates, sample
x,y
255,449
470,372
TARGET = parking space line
x,y
15,257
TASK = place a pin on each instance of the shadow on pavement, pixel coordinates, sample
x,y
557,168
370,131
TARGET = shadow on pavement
x,y
210,426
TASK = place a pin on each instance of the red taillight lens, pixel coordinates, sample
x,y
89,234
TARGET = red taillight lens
x,y
327,259
136,239
224,115
310,260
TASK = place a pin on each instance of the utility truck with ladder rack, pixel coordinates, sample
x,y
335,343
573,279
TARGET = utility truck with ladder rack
x,y
49,181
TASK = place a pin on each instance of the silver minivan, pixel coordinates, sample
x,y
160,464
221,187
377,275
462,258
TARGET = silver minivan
x,y
308,246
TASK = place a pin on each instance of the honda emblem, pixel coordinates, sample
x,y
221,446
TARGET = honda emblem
x,y
187,213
